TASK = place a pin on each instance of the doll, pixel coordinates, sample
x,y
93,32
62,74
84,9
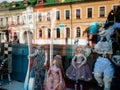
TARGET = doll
x,y
54,78
37,70
103,68
79,69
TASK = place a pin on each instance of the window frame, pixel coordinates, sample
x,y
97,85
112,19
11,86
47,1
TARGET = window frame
x,y
99,12
69,14
59,15
87,12
78,34
76,13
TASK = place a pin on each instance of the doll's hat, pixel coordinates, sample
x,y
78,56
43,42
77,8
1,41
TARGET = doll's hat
x,y
58,57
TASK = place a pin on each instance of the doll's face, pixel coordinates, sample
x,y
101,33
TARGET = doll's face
x,y
79,49
54,61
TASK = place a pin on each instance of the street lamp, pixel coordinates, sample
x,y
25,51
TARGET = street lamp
x,y
28,10
53,17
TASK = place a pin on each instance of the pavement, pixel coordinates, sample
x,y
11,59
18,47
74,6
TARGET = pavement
x,y
16,85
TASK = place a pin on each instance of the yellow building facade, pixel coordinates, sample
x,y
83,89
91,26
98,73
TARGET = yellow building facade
x,y
74,18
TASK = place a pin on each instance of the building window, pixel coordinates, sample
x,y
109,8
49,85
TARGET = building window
x,y
24,19
30,19
18,19
78,14
48,16
58,33
40,33
68,32
89,12
115,7
40,1
6,20
67,13
12,21
40,17
1,21
57,15
49,33
78,33
102,11
2,36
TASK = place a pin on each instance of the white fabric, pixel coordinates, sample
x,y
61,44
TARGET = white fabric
x,y
103,47
104,67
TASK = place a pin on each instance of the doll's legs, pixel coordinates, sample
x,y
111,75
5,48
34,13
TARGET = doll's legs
x,y
99,79
107,83
108,75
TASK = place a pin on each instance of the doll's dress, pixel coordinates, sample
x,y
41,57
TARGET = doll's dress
x,y
84,73
53,79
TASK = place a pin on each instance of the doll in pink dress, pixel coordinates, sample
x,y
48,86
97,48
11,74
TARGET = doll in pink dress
x,y
54,78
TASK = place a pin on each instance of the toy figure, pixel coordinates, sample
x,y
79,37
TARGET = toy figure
x,y
54,79
93,30
79,69
37,68
103,68
37,60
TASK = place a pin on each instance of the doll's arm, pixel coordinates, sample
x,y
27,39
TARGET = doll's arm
x,y
45,59
48,73
83,62
60,74
33,54
73,62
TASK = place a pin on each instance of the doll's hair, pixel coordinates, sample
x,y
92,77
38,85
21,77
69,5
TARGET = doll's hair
x,y
81,51
59,64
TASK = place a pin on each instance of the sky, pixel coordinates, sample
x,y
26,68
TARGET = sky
x,y
9,0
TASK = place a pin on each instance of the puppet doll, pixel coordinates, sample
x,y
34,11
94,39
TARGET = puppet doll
x,y
79,69
54,79
37,70
103,68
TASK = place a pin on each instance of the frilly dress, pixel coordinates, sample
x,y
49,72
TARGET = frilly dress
x,y
82,73
54,80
